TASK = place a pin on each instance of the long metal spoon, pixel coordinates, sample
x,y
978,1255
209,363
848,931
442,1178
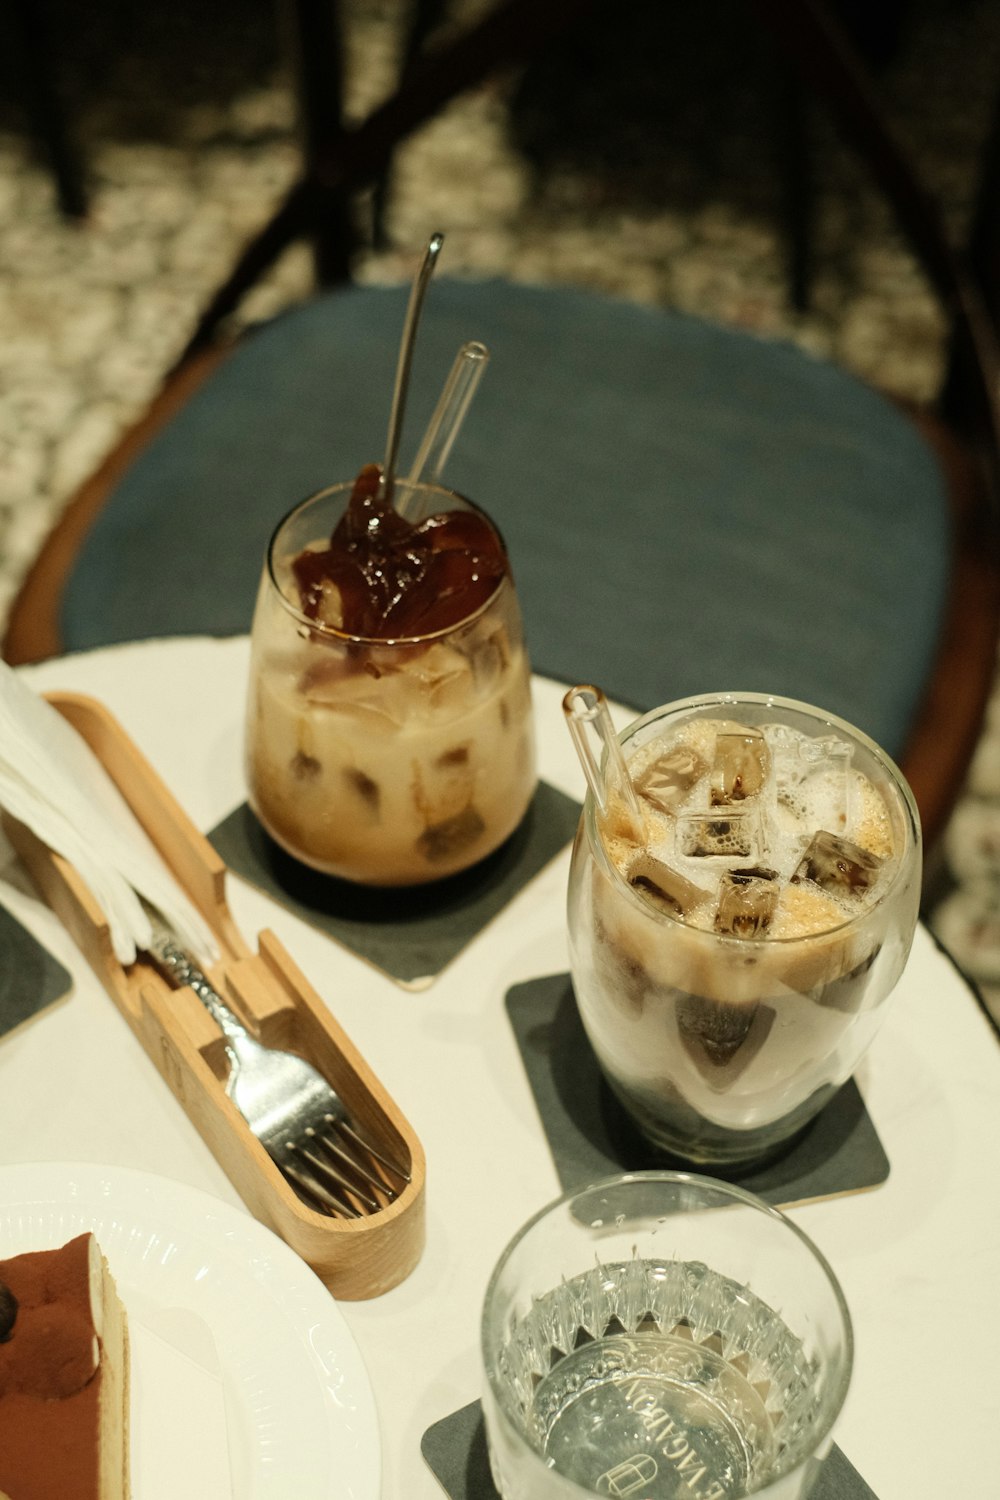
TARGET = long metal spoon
x,y
404,362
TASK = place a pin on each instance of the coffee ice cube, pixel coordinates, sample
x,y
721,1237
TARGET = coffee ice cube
x,y
442,841
740,766
305,767
664,888
361,786
665,781
722,1038
736,835
835,864
444,787
747,900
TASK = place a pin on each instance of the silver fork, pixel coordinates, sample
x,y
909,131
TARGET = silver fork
x,y
293,1111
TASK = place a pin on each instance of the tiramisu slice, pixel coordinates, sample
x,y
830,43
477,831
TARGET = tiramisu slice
x,y
63,1377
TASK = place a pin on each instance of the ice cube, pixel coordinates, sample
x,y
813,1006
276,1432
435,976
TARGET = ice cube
x,y
323,676
667,778
722,1038
356,689
835,864
442,841
444,787
826,786
736,835
825,748
849,992
747,899
305,767
329,605
458,755
489,657
444,677
664,888
785,749
365,716
364,788
740,766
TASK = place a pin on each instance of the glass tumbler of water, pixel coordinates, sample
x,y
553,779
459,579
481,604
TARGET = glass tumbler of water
x,y
662,1335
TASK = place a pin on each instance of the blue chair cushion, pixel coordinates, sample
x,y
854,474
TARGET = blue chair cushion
x,y
687,507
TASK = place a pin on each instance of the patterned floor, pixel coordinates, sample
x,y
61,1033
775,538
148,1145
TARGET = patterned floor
x,y
657,183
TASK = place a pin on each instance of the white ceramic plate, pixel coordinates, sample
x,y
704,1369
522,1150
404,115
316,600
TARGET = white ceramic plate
x,y
299,1415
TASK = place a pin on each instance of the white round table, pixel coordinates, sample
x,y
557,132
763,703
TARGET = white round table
x,y
918,1257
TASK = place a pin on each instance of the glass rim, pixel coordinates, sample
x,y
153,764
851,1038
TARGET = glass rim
x,y
725,1191
911,818
331,633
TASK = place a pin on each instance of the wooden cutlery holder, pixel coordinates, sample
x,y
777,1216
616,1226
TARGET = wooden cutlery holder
x,y
356,1258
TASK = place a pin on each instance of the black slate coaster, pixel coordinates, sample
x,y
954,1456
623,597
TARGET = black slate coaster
x,y
591,1136
412,933
30,978
455,1450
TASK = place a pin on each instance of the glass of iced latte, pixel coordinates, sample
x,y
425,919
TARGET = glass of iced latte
x,y
389,735
740,909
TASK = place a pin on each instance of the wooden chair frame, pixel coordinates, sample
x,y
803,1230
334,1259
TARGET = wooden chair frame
x,y
341,160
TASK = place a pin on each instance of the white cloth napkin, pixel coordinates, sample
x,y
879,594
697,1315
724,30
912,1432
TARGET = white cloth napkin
x,y
52,781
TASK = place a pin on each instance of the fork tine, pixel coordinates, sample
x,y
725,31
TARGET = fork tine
x,y
360,1142
308,1186
328,1171
358,1169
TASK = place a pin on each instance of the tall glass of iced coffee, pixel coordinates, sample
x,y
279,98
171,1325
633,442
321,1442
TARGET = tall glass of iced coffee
x,y
389,735
737,926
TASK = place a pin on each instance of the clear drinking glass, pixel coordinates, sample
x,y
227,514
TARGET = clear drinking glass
x,y
730,967
662,1335
388,762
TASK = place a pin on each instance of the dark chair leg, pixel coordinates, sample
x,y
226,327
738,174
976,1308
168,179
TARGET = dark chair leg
x,y
425,16
825,60
983,254
796,177
320,75
354,158
294,220
817,46
44,107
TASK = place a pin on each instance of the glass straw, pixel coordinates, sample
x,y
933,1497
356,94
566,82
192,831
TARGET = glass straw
x,y
449,414
597,745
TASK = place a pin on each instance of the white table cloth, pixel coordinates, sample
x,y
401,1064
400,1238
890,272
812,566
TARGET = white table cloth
x,y
918,1258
